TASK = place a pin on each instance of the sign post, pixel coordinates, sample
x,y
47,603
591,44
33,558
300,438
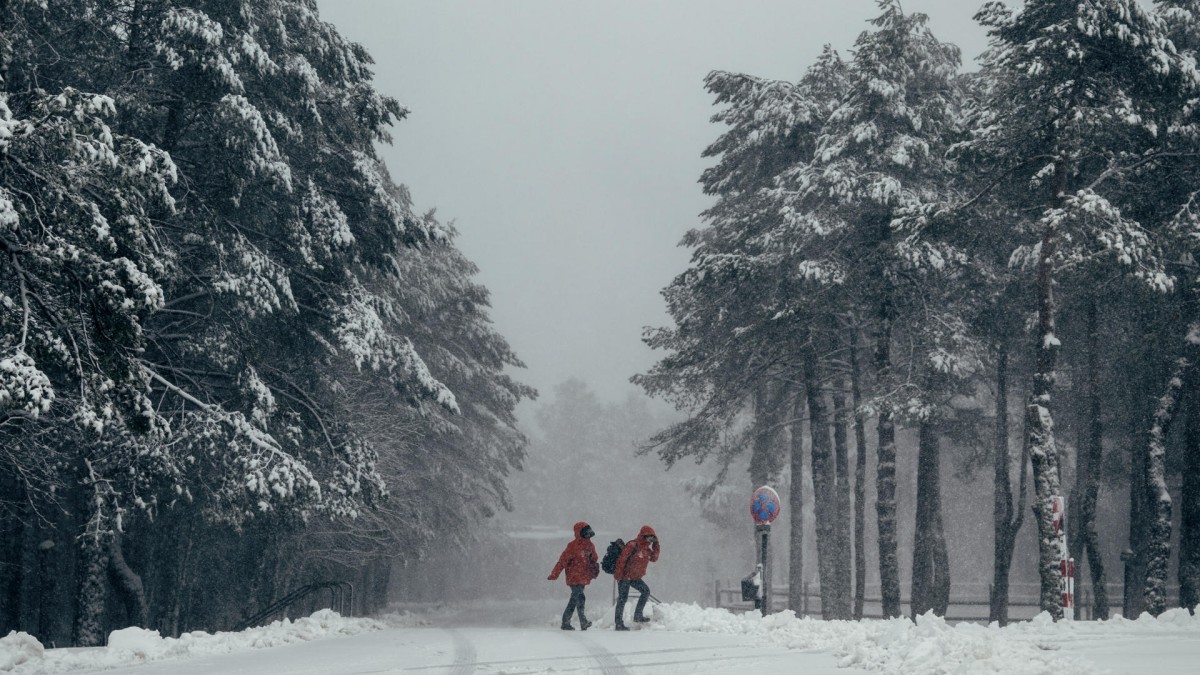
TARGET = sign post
x,y
764,507
1066,564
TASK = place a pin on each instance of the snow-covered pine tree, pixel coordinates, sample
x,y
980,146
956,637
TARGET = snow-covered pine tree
x,y
1182,19
736,309
271,116
1063,123
876,160
445,313
84,269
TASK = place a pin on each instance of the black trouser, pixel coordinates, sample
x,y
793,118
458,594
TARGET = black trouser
x,y
575,603
623,587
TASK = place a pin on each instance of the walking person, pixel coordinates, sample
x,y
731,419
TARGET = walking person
x,y
631,567
579,561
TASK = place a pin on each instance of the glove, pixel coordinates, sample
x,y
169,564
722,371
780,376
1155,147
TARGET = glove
x,y
551,578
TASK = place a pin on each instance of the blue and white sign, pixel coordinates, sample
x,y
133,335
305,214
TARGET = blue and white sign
x,y
765,505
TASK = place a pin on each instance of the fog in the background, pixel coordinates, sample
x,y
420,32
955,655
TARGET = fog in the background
x,y
565,140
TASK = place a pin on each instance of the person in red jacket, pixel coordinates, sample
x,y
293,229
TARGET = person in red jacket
x,y
631,567
579,561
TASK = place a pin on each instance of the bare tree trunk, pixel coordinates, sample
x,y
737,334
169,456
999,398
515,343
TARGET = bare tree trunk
x,y
860,480
93,560
47,590
796,585
931,564
1134,557
1006,520
1189,503
1158,548
823,476
127,583
766,460
1083,536
885,477
89,613
1039,420
841,524
179,617
11,540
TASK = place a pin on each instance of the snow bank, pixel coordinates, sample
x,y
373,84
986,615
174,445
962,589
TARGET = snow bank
x,y
17,648
930,645
21,653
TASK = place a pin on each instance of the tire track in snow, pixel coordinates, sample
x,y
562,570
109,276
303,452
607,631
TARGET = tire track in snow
x,y
608,662
464,654
682,651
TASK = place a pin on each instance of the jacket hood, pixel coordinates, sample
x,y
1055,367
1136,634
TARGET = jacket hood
x,y
647,531
579,529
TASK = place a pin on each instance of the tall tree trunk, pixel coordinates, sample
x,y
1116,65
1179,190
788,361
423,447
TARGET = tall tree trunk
x,y
796,586
1134,557
885,475
11,540
89,612
766,460
127,583
1189,503
1158,498
823,487
180,613
10,589
47,591
860,480
841,522
931,564
1039,420
1082,532
93,560
1006,521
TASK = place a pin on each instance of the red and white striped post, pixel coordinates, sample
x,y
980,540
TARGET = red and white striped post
x,y
1066,564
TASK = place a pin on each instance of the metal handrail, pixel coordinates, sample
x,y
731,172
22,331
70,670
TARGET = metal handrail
x,y
341,600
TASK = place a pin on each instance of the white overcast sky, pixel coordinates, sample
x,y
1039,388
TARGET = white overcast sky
x,y
564,140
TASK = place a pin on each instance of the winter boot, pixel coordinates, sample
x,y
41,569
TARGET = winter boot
x,y
567,626
621,626
641,619
584,624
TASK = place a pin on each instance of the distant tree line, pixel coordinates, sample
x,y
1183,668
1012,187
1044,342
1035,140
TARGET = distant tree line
x,y
233,359
894,243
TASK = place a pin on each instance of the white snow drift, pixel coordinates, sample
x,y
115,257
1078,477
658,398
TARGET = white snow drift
x,y
22,653
929,646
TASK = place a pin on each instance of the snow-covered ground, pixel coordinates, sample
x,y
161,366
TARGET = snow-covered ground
x,y
522,638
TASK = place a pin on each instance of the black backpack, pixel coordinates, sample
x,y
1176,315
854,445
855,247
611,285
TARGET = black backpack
x,y
609,563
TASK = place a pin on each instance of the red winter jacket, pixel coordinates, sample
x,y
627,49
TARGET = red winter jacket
x,y
637,555
578,559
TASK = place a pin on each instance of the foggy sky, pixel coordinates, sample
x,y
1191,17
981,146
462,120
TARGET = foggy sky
x,y
564,140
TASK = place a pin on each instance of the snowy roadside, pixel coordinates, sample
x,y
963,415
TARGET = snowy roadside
x,y
931,645
22,654
892,646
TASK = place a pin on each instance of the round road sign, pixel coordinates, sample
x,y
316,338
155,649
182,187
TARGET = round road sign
x,y
765,505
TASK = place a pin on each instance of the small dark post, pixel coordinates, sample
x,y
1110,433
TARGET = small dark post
x,y
765,558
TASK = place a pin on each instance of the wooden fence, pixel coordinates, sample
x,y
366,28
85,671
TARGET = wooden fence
x,y
968,602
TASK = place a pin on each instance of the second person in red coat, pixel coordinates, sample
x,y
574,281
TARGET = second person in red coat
x,y
579,561
631,567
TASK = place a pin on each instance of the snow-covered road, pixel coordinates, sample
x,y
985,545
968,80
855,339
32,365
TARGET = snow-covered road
x,y
513,651
523,638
